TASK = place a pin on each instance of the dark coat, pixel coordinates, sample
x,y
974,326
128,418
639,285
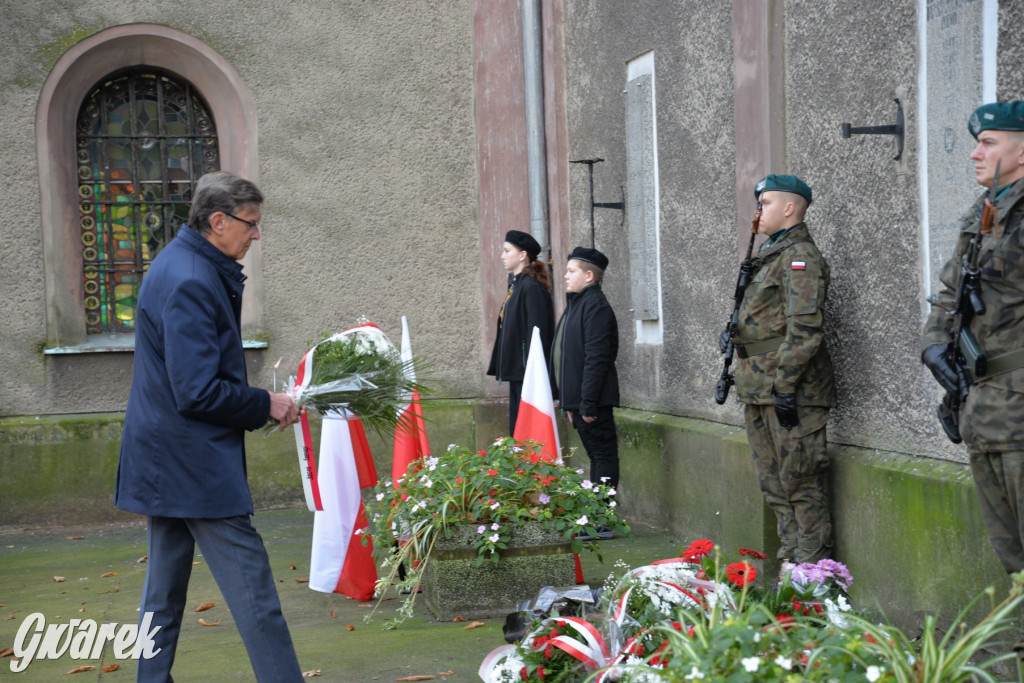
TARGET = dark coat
x,y
529,306
183,448
590,344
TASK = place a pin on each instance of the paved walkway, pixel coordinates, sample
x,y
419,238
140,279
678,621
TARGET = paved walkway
x,y
102,580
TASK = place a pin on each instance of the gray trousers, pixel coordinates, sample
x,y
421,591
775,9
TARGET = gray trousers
x,y
238,561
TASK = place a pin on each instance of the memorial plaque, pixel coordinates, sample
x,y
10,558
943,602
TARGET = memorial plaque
x,y
641,199
954,64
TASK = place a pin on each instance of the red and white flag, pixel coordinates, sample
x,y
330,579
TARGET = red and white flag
x,y
411,434
340,563
536,419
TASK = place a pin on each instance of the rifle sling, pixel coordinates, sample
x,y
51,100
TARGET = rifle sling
x,y
758,348
997,365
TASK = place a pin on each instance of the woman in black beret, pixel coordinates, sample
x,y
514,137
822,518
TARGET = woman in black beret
x,y
527,304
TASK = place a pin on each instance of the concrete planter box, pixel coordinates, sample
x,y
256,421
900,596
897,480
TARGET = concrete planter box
x,y
454,585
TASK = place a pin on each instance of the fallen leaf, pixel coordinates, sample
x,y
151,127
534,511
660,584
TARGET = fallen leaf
x,y
446,673
416,678
473,624
205,606
7,652
334,615
9,618
144,558
111,667
75,538
108,575
459,619
301,580
204,622
58,579
196,562
365,605
350,627
79,669
81,609
293,566
310,674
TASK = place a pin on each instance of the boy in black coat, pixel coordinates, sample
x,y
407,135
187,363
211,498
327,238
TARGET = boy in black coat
x,y
583,365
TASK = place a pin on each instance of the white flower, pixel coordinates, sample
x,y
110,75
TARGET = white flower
x,y
694,674
380,496
493,538
480,529
359,531
495,526
750,663
844,606
604,479
611,492
784,662
873,673
495,505
757,637
582,520
431,463
612,503
587,484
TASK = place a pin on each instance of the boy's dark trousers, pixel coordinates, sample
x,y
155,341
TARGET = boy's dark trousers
x,y
601,442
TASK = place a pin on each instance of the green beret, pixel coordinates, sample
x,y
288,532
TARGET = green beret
x,y
997,116
782,183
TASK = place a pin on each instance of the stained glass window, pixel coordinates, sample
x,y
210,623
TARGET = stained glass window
x,y
143,139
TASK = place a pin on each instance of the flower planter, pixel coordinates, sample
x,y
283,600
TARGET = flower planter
x,y
455,585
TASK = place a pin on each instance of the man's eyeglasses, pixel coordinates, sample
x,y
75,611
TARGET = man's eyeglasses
x,y
251,224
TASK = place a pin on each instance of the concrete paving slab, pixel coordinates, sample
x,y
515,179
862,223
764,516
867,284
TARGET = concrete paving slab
x,y
103,576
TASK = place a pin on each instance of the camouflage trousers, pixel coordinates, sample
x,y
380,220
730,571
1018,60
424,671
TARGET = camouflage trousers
x,y
792,468
999,481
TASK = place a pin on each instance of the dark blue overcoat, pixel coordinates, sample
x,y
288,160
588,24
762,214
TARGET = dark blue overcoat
x,y
183,448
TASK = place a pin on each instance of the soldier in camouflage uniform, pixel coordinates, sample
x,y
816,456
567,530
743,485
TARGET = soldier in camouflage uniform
x,y
992,418
784,373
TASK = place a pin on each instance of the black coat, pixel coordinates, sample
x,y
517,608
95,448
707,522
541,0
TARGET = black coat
x,y
590,344
529,306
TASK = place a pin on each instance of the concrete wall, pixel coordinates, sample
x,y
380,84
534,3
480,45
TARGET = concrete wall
x,y
367,156
908,528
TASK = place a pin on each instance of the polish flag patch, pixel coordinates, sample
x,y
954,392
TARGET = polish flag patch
x,y
798,265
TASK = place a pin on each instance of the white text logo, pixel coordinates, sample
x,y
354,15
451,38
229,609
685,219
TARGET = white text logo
x,y
81,639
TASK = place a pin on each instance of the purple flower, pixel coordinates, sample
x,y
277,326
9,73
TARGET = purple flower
x,y
494,538
480,529
544,499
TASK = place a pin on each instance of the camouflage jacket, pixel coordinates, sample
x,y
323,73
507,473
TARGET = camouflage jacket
x,y
785,301
992,419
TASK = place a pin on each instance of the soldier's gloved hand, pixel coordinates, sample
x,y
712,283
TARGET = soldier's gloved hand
x,y
937,360
723,340
785,410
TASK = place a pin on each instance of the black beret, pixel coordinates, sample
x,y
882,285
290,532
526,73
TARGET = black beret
x,y
523,241
590,256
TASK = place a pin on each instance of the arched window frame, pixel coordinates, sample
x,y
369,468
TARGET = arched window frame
x,y
76,72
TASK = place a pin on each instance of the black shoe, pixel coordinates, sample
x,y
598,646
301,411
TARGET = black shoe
x,y
604,533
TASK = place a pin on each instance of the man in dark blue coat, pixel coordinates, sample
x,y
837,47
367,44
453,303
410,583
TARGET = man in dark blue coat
x,y
182,460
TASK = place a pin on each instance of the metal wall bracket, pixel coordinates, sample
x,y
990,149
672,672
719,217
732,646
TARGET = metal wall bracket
x,y
895,129
621,206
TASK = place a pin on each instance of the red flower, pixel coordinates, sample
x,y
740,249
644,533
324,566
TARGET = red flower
x,y
740,573
753,553
870,638
785,621
540,673
522,674
534,458
677,626
519,471
698,549
492,472
458,480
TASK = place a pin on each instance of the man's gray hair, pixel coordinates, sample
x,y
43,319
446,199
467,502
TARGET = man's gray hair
x,y
220,191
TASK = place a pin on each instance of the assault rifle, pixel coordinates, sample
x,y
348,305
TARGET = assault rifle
x,y
746,268
963,352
